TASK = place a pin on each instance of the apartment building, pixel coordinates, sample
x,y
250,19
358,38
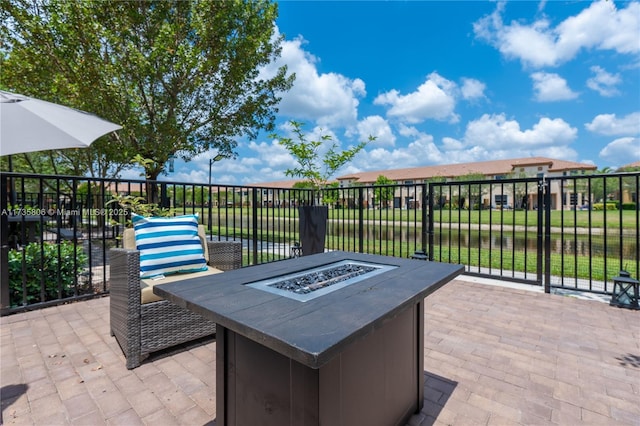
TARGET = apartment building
x,y
490,170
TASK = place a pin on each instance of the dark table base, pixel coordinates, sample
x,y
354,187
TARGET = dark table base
x,y
376,380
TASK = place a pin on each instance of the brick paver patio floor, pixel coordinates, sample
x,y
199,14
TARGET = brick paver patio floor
x,y
493,355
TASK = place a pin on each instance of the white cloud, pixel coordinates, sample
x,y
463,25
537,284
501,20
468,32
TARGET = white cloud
x,y
329,99
496,132
420,150
472,88
478,153
604,82
273,155
451,144
434,99
609,124
488,138
196,170
378,127
550,87
201,176
541,5
134,173
599,26
409,131
622,151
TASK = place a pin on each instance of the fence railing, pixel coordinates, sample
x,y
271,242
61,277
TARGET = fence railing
x,y
57,230
572,232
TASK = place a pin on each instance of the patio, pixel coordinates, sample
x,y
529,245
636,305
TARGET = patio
x,y
493,355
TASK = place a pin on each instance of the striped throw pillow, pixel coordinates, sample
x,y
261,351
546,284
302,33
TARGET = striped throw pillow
x,y
168,245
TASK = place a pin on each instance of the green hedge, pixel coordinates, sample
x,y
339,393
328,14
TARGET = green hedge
x,y
41,265
628,206
610,205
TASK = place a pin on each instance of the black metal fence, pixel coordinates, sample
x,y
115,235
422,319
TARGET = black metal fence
x,y
573,231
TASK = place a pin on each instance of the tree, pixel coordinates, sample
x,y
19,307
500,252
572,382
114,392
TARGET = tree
x,y
601,186
521,190
437,191
180,77
314,168
471,191
384,193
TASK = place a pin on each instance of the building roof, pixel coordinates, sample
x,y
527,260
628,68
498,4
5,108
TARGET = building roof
x,y
487,168
281,184
633,165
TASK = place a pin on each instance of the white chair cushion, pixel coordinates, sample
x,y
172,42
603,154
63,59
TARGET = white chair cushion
x,y
146,285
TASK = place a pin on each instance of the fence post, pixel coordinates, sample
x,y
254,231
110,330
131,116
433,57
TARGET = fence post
x,y
361,220
254,223
425,217
4,240
547,237
430,219
540,235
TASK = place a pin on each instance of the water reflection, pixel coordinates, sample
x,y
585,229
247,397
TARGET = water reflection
x,y
569,244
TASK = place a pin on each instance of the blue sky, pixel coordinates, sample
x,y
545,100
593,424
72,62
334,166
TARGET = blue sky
x,y
448,82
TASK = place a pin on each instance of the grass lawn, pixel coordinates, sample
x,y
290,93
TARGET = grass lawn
x,y
559,218
595,266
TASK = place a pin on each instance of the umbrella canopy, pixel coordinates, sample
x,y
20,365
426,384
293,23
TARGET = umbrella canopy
x,y
29,124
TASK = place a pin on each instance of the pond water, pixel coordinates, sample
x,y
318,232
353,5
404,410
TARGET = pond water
x,y
567,243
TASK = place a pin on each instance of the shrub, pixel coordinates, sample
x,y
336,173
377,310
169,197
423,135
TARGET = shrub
x,y
42,266
138,205
610,205
628,206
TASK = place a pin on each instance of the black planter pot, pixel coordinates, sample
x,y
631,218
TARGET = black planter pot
x,y
312,228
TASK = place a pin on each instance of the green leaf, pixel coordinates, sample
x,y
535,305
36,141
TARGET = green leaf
x,y
314,168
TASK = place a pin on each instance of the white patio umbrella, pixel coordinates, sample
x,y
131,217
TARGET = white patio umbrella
x,y
29,124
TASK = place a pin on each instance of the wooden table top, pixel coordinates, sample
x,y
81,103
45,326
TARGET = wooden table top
x,y
315,331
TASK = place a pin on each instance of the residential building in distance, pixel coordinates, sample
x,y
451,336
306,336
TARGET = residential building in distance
x,y
486,170
495,170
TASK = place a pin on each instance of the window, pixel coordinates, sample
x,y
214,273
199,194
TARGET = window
x,y
500,199
408,182
573,199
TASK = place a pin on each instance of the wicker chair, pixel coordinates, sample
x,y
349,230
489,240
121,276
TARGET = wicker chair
x,y
142,328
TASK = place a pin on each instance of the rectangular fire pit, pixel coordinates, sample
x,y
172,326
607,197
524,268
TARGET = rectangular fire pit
x,y
307,285
333,338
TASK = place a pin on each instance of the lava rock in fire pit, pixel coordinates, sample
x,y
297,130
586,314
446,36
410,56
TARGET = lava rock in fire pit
x,y
312,281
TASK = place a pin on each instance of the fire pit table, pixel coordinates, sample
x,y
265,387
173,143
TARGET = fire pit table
x,y
334,338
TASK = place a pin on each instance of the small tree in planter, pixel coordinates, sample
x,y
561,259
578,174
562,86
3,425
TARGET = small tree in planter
x,y
138,205
316,169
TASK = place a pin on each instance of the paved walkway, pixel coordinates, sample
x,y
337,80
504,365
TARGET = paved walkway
x,y
493,355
